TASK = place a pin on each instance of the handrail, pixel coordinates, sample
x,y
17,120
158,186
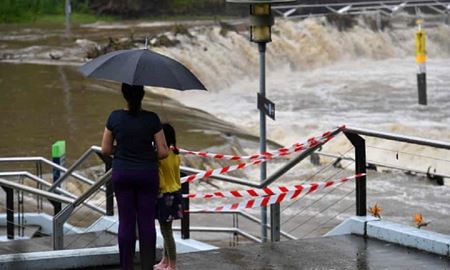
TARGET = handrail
x,y
384,165
399,138
92,149
45,183
48,162
274,176
222,230
64,214
248,217
35,191
362,3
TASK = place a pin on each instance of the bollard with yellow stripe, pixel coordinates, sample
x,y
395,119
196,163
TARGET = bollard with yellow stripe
x,y
421,49
421,59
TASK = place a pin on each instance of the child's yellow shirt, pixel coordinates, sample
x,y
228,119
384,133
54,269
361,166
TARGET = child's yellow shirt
x,y
169,173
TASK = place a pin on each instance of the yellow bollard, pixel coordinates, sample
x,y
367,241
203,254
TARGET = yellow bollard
x,y
421,59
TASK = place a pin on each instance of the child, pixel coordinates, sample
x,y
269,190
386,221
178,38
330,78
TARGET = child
x,y
169,199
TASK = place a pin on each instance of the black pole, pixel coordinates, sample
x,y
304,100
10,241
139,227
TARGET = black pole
x,y
422,87
9,212
107,160
109,189
185,230
360,167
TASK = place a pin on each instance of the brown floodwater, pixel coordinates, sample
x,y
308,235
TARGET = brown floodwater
x,y
40,104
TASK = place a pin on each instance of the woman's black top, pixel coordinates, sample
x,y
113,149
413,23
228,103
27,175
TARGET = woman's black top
x,y
134,134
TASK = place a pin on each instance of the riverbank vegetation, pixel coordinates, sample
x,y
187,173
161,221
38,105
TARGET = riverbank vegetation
x,y
50,11
18,11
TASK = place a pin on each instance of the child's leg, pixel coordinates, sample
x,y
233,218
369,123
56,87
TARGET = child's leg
x,y
164,260
169,242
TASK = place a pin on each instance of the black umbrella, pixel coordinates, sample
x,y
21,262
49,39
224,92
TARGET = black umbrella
x,y
142,67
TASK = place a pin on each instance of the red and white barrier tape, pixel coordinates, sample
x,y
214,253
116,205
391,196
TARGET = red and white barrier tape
x,y
271,154
268,191
269,200
310,143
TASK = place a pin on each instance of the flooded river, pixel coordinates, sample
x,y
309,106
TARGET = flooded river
x,y
318,77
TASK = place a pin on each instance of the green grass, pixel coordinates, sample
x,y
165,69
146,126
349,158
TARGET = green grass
x,y
27,11
75,18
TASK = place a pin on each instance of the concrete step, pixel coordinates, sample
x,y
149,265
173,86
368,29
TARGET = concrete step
x,y
28,232
71,241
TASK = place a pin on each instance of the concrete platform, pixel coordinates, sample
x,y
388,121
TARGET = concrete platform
x,y
73,241
337,252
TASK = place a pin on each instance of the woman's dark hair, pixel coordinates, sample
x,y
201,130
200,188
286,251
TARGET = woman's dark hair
x,y
169,133
133,94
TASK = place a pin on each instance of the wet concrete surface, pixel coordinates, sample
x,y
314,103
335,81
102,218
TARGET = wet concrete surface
x,y
71,241
342,252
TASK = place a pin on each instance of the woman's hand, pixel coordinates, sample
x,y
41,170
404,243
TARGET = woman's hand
x,y
161,146
108,148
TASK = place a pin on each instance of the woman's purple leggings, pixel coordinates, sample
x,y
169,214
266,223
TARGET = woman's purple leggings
x,y
136,193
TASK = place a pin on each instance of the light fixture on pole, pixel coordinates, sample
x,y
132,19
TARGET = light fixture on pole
x,y
261,21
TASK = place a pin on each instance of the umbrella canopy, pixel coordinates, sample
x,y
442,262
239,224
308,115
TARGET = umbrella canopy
x,y
142,67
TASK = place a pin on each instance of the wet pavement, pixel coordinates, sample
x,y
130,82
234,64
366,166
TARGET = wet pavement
x,y
71,241
342,252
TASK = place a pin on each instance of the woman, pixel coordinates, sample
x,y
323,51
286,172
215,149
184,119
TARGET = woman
x,y
139,143
169,199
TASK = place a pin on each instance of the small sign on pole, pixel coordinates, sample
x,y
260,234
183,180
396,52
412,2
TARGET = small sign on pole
x,y
267,106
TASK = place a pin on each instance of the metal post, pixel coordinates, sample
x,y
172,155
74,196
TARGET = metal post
x,y
59,157
422,87
185,230
360,167
109,190
421,58
262,131
9,212
68,12
58,226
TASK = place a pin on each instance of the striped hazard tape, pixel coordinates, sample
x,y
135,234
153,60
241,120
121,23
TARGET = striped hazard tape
x,y
310,143
296,147
270,191
290,195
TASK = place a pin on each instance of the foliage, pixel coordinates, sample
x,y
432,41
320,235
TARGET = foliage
x,y
12,11
26,10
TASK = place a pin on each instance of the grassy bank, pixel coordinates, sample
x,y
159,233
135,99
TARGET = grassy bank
x,y
26,11
47,11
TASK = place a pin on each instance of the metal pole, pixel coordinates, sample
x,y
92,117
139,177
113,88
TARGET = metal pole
x,y
68,12
360,167
9,212
185,226
262,131
421,58
109,190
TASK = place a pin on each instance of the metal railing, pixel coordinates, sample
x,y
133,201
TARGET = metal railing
x,y
9,188
55,187
64,214
275,209
354,135
235,229
386,7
